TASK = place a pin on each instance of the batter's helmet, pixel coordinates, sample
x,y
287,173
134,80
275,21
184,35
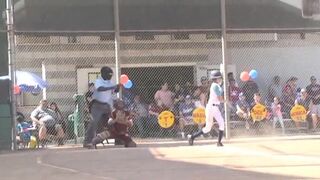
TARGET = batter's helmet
x,y
215,75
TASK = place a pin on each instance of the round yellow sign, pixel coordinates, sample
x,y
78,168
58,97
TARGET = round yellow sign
x,y
166,119
298,113
199,115
258,112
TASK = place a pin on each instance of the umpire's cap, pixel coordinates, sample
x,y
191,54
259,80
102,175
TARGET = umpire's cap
x,y
215,75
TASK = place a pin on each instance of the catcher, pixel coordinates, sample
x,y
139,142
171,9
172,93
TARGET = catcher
x,y
117,126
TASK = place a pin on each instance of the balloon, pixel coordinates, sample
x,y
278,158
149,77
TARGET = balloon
x,y
244,76
124,79
16,90
128,85
253,74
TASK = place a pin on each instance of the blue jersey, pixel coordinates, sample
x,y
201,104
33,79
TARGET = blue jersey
x,y
22,129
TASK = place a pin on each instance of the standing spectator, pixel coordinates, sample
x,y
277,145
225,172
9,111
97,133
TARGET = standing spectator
x,y
101,103
249,89
274,89
186,109
140,111
233,92
165,96
277,114
313,91
289,95
305,101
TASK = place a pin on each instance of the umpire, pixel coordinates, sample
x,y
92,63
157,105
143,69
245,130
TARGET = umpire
x,y
101,102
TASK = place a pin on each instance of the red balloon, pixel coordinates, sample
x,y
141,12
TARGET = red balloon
x,y
124,79
244,76
16,90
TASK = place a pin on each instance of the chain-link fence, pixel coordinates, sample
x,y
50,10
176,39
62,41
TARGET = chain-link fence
x,y
170,72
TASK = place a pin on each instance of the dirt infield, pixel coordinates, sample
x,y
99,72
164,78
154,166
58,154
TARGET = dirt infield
x,y
258,159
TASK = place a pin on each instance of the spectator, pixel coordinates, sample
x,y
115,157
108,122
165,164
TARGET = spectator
x,y
46,120
60,120
23,131
277,114
140,111
128,97
233,92
313,91
243,109
154,110
289,95
305,101
205,86
200,97
178,98
257,100
249,89
187,89
186,109
165,96
274,89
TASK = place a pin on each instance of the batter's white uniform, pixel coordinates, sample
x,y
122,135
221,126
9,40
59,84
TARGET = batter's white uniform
x,y
212,108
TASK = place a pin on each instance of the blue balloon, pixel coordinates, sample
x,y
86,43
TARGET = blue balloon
x,y
253,74
128,85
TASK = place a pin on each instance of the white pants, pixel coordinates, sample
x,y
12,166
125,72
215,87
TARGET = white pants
x,y
213,112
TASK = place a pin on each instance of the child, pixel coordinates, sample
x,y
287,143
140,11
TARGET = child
x,y
277,114
119,123
23,131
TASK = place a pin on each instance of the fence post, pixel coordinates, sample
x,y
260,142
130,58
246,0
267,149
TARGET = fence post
x,y
117,40
11,44
224,62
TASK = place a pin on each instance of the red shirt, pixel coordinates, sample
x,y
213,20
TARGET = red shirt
x,y
120,116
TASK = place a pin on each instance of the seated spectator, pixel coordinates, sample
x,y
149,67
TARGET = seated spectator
x,y
289,95
155,109
140,111
243,109
313,91
277,114
23,131
178,98
257,100
45,119
306,101
119,123
89,99
200,97
60,120
185,110
165,96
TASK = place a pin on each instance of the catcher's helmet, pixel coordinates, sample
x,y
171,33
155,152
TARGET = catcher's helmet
x,y
215,75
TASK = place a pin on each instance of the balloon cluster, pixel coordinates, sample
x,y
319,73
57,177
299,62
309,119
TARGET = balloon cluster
x,y
125,81
245,75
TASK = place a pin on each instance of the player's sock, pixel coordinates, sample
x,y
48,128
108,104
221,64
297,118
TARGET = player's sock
x,y
220,135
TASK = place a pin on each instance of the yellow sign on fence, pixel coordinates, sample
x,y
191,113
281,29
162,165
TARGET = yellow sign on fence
x,y
298,113
166,119
199,115
258,112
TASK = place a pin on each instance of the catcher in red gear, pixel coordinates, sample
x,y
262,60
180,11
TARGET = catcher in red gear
x,y
118,126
